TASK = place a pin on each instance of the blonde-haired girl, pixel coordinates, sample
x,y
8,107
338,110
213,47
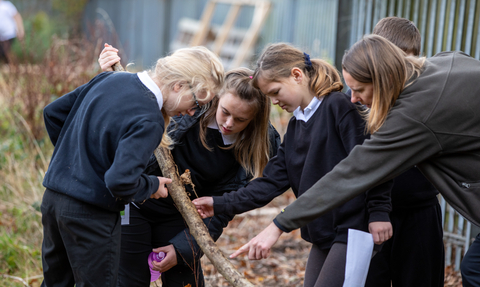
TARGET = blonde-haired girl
x,y
104,133
224,146
324,129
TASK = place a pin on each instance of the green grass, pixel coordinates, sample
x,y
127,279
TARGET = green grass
x,y
22,161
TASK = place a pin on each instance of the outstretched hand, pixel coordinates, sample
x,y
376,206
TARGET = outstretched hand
x,y
108,57
204,206
260,246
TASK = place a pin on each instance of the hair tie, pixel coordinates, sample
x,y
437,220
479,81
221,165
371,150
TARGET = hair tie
x,y
251,77
308,63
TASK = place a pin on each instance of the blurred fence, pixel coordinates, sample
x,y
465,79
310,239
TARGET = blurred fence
x,y
147,27
323,28
444,24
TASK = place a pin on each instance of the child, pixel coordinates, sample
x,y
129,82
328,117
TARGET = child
x,y
104,133
414,256
324,129
223,147
424,112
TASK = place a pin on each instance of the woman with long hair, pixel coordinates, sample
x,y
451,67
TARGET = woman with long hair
x,y
423,112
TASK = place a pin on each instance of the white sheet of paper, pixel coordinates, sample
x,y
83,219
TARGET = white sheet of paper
x,y
359,254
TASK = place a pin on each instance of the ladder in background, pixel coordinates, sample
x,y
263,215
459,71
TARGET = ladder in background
x,y
234,46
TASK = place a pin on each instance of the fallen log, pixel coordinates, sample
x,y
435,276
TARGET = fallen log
x,y
195,223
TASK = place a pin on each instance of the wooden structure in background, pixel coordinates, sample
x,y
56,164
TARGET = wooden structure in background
x,y
233,45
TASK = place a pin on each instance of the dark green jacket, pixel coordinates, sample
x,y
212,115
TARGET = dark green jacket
x,y
434,124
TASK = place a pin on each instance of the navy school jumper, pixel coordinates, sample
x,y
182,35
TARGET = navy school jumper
x,y
104,133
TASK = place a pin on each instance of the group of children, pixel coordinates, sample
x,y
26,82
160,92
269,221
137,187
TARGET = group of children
x,y
105,132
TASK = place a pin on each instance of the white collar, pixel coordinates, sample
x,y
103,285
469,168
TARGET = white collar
x,y
150,84
227,139
308,112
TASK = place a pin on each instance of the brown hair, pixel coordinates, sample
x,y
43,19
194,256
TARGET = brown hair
x,y
373,59
401,32
197,67
252,145
278,60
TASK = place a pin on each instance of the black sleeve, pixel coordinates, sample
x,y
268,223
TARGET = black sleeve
x,y
379,202
259,191
126,178
55,114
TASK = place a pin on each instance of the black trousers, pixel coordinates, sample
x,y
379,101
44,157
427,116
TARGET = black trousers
x,y
415,255
81,244
470,266
5,50
139,237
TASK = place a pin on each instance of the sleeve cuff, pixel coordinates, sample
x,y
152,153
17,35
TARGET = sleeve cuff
x,y
155,185
379,216
275,221
218,205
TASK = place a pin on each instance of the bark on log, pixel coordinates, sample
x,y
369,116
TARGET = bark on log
x,y
118,67
195,223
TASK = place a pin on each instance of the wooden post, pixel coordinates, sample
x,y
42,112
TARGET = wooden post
x,y
195,223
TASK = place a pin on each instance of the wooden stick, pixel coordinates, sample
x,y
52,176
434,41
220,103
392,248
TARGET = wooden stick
x,y
195,223
118,67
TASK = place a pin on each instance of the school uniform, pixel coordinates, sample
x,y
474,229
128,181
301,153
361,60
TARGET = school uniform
x,y
158,223
104,133
316,140
433,124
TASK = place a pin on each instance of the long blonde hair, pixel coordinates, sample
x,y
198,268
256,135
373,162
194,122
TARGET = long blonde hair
x,y
252,146
196,67
374,59
278,60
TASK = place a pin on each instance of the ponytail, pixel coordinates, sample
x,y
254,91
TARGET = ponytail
x,y
278,60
